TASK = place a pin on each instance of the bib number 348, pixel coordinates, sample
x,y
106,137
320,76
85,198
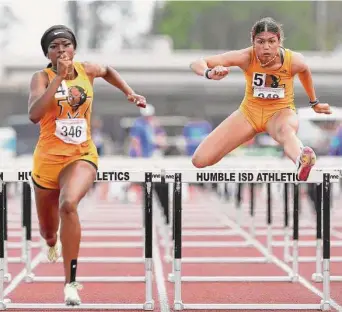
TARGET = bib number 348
x,y
72,131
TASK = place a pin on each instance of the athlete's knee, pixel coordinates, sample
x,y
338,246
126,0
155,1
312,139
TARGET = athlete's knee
x,y
285,131
68,205
47,234
197,162
200,161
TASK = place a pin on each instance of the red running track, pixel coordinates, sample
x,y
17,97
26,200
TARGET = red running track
x,y
192,292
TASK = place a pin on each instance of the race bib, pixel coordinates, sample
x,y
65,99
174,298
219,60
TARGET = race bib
x,y
71,131
269,93
267,86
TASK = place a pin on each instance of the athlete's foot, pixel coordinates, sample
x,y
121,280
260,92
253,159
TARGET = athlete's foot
x,y
71,297
53,253
305,162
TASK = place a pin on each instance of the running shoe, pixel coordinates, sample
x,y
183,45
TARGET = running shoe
x,y
54,252
71,297
305,161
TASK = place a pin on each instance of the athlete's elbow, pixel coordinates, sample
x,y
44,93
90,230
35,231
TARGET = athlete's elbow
x,y
198,66
34,118
191,66
198,162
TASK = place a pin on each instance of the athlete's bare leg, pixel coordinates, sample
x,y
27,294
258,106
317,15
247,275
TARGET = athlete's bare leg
x,y
75,180
283,127
230,134
48,213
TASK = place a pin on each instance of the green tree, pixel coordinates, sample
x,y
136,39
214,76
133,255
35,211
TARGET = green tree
x,y
226,24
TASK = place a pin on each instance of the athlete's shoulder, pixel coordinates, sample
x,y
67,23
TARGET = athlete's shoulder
x,y
298,63
40,76
247,55
243,54
94,69
240,58
297,56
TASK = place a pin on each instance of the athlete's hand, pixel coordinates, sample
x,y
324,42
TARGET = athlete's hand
x,y
322,108
64,66
218,72
139,100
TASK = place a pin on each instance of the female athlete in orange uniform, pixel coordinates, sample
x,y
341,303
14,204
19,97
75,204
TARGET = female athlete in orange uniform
x,y
268,104
65,158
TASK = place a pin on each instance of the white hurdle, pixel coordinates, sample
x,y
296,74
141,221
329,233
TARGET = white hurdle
x,y
147,178
248,176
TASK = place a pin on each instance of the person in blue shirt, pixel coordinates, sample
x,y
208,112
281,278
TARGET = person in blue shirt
x,y
336,143
97,135
147,137
194,132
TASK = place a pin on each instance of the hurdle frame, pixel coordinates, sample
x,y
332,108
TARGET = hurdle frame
x,y
266,258
318,176
147,178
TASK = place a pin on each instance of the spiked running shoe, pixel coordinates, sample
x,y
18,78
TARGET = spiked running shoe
x,y
305,162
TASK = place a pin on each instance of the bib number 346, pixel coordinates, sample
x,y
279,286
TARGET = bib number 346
x,y
71,131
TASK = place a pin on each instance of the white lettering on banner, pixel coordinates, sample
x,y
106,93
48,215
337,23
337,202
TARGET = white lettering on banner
x,y
72,131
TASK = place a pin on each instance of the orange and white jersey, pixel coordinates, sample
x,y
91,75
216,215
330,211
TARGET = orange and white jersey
x,y
65,129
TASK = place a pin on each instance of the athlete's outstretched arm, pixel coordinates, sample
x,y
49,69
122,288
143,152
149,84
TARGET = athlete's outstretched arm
x,y
109,74
240,58
41,94
300,67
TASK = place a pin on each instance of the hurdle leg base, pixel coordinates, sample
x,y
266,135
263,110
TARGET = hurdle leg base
x,y
325,305
294,278
178,306
171,277
3,304
7,277
149,305
29,278
317,277
269,258
168,258
287,259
